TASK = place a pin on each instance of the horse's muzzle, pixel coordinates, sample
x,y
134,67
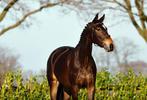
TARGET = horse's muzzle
x,y
108,44
109,47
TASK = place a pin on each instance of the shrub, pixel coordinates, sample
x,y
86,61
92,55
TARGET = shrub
x,y
121,86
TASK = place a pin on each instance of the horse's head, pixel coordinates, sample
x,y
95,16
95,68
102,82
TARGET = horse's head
x,y
100,35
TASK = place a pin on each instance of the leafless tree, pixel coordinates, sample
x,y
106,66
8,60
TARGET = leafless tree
x,y
135,10
8,62
17,11
14,12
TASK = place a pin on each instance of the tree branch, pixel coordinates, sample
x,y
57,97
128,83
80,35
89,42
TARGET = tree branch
x,y
120,4
6,9
139,6
145,18
130,13
25,16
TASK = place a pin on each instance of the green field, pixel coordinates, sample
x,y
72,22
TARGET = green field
x,y
118,87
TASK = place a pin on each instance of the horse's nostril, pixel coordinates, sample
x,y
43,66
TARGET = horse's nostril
x,y
111,46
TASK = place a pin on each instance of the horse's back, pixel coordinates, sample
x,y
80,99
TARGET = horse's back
x,y
55,55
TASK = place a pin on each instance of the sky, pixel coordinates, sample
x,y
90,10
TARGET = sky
x,y
53,29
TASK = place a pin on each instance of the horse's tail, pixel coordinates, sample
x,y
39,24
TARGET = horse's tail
x,y
60,92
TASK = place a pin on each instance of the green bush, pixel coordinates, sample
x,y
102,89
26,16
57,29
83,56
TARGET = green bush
x,y
15,88
119,87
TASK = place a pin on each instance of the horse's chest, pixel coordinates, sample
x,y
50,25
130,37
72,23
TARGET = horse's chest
x,y
84,77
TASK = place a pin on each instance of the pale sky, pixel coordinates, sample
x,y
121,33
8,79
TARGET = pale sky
x,y
53,30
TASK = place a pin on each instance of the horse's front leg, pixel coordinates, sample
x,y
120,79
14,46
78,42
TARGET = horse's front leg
x,y
91,92
66,96
53,89
74,92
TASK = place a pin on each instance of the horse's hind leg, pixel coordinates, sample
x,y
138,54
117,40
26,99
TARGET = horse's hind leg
x,y
74,92
53,89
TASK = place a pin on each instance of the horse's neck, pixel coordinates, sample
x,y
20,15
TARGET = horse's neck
x,y
84,48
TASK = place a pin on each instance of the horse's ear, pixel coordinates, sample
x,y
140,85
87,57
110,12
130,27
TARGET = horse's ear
x,y
95,18
102,19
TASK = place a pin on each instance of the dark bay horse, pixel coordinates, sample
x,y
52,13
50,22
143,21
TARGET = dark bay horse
x,y
72,68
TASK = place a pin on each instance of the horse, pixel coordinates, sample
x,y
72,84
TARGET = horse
x,y
71,68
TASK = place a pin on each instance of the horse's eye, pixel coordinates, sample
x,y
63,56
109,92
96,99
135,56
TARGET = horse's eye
x,y
98,29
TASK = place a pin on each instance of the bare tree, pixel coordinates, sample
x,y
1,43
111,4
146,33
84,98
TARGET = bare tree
x,y
8,62
125,50
17,11
20,10
135,10
14,12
